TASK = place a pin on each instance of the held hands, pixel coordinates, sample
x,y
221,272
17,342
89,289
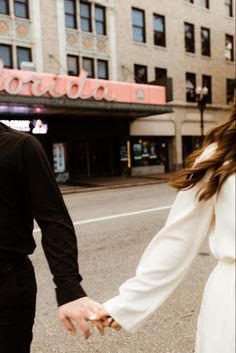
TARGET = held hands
x,y
103,317
80,311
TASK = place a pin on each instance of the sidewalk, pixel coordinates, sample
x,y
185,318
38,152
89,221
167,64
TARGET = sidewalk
x,y
95,184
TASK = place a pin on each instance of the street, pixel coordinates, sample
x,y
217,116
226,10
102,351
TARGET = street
x,y
113,228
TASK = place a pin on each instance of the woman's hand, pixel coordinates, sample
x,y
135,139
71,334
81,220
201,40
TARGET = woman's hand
x,y
102,316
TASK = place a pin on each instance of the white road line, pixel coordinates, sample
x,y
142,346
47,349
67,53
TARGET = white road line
x,y
120,215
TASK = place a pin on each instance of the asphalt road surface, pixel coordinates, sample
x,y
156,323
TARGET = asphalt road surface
x,y
113,228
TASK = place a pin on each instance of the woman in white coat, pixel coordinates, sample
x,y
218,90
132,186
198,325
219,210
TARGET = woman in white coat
x,y
204,208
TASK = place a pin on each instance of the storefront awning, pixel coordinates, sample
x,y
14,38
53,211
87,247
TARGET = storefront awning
x,y
21,105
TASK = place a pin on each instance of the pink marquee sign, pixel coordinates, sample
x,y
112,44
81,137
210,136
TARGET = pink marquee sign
x,y
28,83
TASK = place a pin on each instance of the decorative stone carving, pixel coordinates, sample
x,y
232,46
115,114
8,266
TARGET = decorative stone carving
x,y
4,28
22,30
71,40
87,43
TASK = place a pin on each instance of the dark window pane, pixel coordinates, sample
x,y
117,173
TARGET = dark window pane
x,y
190,87
230,90
4,7
6,55
88,66
189,38
23,54
159,30
160,76
205,41
206,82
21,8
103,69
140,73
72,65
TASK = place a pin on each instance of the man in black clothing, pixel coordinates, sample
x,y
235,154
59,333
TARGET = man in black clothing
x,y
29,191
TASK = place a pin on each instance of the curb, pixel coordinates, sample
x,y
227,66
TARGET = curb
x,y
74,190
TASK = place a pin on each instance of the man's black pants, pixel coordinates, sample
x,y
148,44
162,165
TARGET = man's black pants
x,y
17,305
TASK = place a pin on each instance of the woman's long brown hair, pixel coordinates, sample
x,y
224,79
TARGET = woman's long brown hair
x,y
224,136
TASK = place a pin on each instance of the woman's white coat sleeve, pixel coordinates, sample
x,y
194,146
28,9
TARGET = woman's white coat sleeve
x,y
165,261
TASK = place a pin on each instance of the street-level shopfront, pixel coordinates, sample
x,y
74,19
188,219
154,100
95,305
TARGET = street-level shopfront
x,y
83,124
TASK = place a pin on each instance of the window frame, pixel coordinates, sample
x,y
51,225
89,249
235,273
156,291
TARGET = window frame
x,y
188,77
29,50
163,70
206,4
161,43
103,22
76,57
190,25
209,86
229,6
92,61
227,36
25,3
229,96
136,67
7,12
86,18
71,15
10,56
142,27
206,52
106,69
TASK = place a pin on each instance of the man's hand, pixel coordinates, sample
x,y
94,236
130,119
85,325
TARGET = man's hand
x,y
102,316
78,312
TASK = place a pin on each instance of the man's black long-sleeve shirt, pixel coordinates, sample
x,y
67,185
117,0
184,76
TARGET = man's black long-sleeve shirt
x,y
28,191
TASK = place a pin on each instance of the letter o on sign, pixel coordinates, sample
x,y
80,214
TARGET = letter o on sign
x,y
13,85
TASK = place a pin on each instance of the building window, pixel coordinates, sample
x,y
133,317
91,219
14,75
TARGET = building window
x,y
4,7
205,41
140,73
70,14
21,8
204,3
190,1
138,23
160,76
230,90
88,65
159,30
190,84
73,65
229,8
23,54
85,17
206,82
100,19
102,68
229,47
189,37
6,55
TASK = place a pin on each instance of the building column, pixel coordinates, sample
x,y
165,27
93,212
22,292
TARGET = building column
x,y
113,43
36,22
